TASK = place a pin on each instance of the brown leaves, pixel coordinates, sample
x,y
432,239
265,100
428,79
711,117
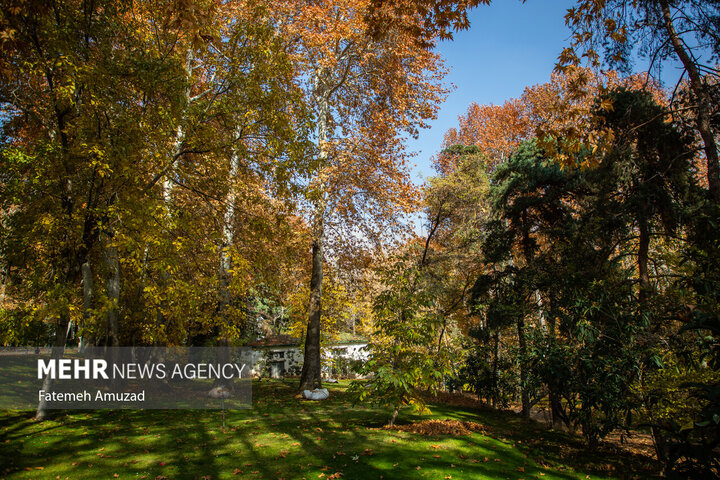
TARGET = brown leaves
x,y
559,113
438,19
439,427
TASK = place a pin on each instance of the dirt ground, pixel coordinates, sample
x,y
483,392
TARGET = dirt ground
x,y
639,443
635,442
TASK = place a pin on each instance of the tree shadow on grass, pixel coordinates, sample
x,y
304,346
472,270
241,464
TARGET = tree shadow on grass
x,y
551,447
281,437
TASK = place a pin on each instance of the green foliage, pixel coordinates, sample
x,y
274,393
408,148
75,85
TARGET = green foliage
x,y
562,253
404,361
19,327
119,125
488,375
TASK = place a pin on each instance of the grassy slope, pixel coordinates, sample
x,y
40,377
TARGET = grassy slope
x,y
284,438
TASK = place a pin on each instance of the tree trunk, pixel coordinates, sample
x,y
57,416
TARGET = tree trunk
x,y
391,422
3,280
228,233
179,139
496,350
88,303
4,270
311,371
643,249
58,349
113,292
557,415
704,108
645,290
522,344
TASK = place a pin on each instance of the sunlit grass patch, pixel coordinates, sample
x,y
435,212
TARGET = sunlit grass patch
x,y
282,437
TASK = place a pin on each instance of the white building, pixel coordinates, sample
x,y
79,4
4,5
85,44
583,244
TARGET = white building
x,y
282,355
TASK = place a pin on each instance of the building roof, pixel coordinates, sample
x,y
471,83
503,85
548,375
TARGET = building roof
x,y
290,341
276,341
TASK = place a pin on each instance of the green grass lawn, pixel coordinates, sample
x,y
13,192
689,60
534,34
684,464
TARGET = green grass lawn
x,y
281,437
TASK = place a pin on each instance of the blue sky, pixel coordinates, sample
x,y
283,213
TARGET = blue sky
x,y
509,46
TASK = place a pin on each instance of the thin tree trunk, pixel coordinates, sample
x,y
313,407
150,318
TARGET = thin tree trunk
x,y
58,349
88,303
169,175
704,108
522,341
494,399
557,415
71,277
3,281
179,139
393,417
522,344
228,233
645,290
113,292
643,249
4,270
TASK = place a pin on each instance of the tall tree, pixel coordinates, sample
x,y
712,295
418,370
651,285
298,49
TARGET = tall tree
x,y
366,93
88,161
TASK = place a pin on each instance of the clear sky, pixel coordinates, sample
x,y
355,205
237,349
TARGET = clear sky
x,y
509,46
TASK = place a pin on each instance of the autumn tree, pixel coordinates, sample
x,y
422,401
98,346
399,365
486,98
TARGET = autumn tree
x,y
70,143
112,209
365,93
685,31
558,113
